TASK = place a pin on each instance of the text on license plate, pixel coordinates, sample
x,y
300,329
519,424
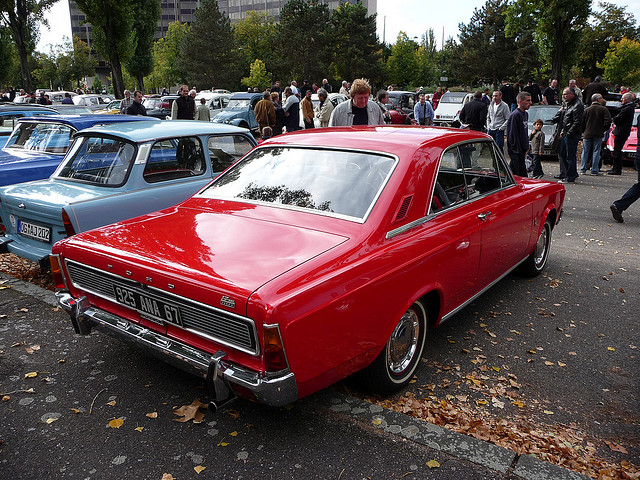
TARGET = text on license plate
x,y
36,232
152,307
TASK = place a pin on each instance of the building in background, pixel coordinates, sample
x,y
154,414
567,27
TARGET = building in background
x,y
183,11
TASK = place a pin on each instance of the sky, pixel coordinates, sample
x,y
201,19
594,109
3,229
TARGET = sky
x,y
414,17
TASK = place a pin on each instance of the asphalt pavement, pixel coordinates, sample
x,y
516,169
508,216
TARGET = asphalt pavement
x,y
94,408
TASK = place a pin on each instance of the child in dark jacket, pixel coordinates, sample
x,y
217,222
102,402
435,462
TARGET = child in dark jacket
x,y
537,148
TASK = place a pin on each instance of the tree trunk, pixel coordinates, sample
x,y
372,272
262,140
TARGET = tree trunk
x,y
18,27
140,82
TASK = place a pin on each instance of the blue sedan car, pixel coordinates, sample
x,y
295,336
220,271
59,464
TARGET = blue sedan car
x,y
113,173
10,113
37,144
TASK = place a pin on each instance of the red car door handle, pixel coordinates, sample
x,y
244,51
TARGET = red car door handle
x,y
484,216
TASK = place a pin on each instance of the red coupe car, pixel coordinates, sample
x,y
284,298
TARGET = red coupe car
x,y
320,254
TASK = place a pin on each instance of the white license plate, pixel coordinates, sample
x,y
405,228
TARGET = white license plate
x,y
149,307
37,232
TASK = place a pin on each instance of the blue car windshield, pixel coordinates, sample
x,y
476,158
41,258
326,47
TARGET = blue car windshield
x,y
41,137
98,160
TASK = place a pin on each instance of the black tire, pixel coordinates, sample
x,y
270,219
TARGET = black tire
x,y
535,263
396,364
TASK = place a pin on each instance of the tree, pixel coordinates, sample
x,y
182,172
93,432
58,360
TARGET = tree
x,y
403,61
144,24
113,34
209,55
9,64
621,63
82,63
259,77
301,40
22,17
256,33
557,26
610,23
427,59
166,52
354,48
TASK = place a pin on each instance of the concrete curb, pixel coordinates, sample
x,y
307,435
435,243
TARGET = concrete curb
x,y
424,433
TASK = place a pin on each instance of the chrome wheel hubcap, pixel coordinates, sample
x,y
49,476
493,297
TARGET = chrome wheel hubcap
x,y
403,344
541,248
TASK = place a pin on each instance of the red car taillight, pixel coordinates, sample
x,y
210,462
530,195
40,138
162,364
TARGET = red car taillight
x,y
68,228
56,272
274,357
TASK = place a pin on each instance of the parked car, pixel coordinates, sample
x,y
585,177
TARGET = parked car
x,y
157,107
546,114
215,101
334,98
57,96
116,172
71,109
629,148
239,111
450,106
112,108
321,254
403,100
10,113
36,146
93,101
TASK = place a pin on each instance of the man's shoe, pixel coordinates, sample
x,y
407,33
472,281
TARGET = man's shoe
x,y
568,180
559,176
617,215
613,172
595,173
583,171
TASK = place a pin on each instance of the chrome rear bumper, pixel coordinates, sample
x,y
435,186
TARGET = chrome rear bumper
x,y
271,389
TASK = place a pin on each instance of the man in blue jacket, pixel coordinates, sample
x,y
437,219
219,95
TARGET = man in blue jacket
x,y
517,138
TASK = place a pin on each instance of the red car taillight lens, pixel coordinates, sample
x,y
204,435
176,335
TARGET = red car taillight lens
x,y
274,357
56,272
68,228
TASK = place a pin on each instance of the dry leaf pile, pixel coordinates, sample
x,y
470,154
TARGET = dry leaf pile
x,y
26,270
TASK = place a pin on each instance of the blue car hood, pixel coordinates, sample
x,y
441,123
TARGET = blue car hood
x,y
230,115
51,193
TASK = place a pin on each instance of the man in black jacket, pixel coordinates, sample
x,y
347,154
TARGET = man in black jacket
x,y
184,107
517,138
136,107
595,122
474,113
570,117
623,122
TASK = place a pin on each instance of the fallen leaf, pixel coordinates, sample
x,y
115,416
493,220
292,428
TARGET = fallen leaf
x,y
615,447
573,353
377,422
112,403
232,413
50,420
223,444
75,410
139,429
6,398
191,412
234,434
560,364
497,403
548,412
24,310
549,363
433,464
199,469
116,423
611,349
152,415
167,476
518,404
31,375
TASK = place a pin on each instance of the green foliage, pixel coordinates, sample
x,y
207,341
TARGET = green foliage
x,y
112,32
9,63
557,27
621,63
403,62
22,17
259,77
209,56
166,52
97,85
256,34
354,51
609,23
145,22
302,38
63,65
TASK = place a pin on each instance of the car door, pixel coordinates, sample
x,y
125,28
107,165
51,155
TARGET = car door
x,y
499,206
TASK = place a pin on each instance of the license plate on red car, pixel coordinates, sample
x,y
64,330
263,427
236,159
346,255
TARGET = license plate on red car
x,y
154,308
37,232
